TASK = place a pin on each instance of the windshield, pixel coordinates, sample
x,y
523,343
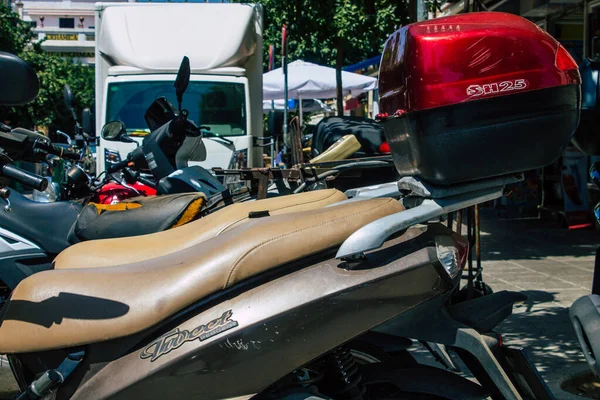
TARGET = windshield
x,y
219,105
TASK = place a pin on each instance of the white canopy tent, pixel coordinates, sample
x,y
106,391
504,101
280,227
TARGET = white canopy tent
x,y
307,80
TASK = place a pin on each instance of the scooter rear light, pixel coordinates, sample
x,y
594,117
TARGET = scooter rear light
x,y
452,253
384,148
564,61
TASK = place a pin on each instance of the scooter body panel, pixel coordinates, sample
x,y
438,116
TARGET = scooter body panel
x,y
267,331
19,258
46,224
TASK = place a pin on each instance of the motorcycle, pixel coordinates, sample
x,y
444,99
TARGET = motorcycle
x,y
317,303
71,163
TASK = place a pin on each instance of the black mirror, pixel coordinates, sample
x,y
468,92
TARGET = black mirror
x,y
275,123
159,113
20,84
68,97
183,79
114,131
87,122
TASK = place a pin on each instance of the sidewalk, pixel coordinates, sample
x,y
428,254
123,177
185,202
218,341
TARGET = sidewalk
x,y
554,267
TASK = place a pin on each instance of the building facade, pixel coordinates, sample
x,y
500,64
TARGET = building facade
x,y
67,26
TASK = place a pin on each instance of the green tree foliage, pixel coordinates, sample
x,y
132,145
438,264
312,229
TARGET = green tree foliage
x,y
331,32
54,71
318,28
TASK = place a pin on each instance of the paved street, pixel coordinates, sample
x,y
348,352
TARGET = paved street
x,y
553,266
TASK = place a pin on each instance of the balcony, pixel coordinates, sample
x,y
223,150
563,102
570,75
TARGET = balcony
x,y
78,42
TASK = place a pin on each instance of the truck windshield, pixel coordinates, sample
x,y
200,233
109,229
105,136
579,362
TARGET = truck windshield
x,y
219,105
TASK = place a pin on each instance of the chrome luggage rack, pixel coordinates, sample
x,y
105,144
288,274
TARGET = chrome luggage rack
x,y
423,202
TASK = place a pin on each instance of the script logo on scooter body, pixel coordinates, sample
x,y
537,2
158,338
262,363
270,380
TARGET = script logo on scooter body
x,y
176,338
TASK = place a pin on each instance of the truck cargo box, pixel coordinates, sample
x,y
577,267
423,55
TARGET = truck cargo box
x,y
476,95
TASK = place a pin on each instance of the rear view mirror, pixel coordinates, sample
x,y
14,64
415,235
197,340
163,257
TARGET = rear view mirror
x,y
183,80
114,131
87,122
68,97
159,113
20,84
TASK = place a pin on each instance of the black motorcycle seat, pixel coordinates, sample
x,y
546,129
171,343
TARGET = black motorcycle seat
x,y
72,307
109,252
46,224
137,216
368,133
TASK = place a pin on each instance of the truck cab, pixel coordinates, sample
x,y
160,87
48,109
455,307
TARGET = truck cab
x,y
139,49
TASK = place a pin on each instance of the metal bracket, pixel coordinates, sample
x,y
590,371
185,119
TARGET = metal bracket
x,y
374,191
373,235
412,186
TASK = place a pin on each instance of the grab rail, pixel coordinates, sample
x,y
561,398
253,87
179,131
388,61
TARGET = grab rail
x,y
373,235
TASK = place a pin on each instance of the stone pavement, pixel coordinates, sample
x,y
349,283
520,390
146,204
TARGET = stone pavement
x,y
553,266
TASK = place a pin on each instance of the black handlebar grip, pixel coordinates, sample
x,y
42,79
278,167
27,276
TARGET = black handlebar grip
x,y
26,178
117,167
60,152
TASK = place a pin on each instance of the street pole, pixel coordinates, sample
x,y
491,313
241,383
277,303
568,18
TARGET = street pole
x,y
273,138
586,29
285,80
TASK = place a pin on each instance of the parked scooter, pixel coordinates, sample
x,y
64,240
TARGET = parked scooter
x,y
585,311
173,141
319,303
32,233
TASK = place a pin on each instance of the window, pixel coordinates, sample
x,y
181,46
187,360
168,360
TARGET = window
x,y
66,23
219,105
32,23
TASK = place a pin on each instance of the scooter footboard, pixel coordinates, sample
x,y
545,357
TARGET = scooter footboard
x,y
585,317
523,373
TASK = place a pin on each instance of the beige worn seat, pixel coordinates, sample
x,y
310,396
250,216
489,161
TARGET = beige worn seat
x,y
108,252
64,308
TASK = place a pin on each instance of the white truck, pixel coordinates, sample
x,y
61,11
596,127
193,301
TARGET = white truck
x,y
139,48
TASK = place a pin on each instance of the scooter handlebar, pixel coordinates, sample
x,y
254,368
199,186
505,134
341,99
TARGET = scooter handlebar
x,y
58,151
26,178
117,167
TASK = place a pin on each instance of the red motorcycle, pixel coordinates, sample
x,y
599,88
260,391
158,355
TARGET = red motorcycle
x,y
112,193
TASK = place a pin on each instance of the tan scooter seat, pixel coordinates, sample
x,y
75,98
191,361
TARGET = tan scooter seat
x,y
64,308
108,252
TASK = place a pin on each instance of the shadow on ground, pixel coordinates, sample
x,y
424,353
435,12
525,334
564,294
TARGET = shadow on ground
x,y
545,330
532,239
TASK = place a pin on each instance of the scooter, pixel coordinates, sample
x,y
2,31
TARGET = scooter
x,y
585,311
258,312
32,233
310,304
